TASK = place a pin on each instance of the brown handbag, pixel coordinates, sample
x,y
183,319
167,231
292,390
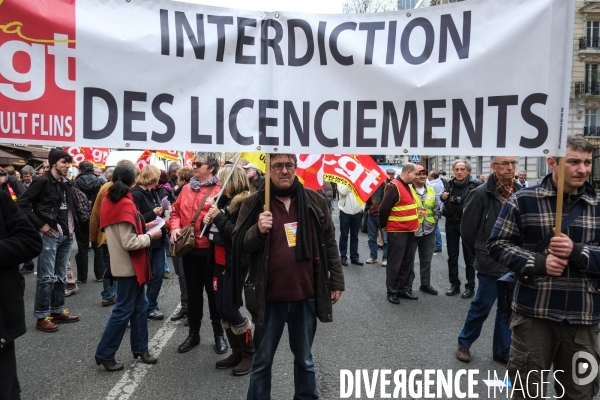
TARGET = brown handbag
x,y
185,242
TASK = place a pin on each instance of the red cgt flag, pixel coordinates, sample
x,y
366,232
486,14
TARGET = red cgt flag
x,y
188,159
359,173
144,159
96,155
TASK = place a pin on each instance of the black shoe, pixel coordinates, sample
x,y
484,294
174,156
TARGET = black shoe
x,y
468,293
178,316
392,298
109,365
25,271
345,263
146,357
501,360
356,262
220,344
407,295
437,250
428,289
189,343
156,315
454,290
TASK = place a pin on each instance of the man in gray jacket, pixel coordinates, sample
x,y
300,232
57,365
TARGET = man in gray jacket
x,y
481,210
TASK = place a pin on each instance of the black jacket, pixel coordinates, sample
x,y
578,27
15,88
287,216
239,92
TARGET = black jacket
x,y
89,184
19,242
146,201
16,185
481,210
226,220
452,209
41,201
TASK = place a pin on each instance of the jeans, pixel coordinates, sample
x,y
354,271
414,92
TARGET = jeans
x,y
222,291
373,225
82,235
109,291
52,276
132,305
438,238
302,326
178,267
167,258
452,243
349,223
424,244
198,278
157,260
480,308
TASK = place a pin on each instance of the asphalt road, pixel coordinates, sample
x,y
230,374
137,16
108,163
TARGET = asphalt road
x,y
367,333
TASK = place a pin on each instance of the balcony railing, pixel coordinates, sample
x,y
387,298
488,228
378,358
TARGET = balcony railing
x,y
586,42
591,131
591,87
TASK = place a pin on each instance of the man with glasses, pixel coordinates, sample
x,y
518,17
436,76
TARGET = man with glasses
x,y
455,193
301,280
482,207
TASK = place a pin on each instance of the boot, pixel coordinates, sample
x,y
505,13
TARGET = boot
x,y
236,349
193,338
244,335
220,342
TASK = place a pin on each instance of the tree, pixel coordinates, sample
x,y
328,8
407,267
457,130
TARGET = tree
x,y
368,6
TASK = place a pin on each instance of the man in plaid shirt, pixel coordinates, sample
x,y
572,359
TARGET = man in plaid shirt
x,y
556,306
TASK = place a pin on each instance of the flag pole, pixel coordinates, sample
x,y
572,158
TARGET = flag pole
x,y
223,189
560,196
267,181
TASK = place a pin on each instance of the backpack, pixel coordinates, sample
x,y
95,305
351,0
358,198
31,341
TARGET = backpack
x,y
83,205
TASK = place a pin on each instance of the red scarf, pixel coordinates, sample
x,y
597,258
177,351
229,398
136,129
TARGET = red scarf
x,y
125,210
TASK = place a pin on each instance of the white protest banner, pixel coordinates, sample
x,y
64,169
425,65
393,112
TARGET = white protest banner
x,y
475,77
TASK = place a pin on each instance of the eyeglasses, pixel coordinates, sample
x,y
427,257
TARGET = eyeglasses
x,y
288,166
506,163
199,164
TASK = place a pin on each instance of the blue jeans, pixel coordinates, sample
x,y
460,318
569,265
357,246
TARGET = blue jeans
x,y
438,238
158,258
166,258
349,223
302,326
373,225
131,305
52,276
109,291
482,303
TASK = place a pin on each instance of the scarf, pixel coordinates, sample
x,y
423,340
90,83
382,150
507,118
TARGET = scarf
x,y
125,210
462,183
504,191
195,184
303,248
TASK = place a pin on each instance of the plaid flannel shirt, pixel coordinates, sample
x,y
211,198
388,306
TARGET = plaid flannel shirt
x,y
524,221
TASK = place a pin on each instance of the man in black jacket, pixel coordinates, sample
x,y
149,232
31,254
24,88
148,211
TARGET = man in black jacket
x,y
19,242
89,184
455,193
49,204
481,210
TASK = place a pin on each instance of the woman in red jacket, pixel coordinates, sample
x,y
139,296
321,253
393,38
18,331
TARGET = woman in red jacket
x,y
197,269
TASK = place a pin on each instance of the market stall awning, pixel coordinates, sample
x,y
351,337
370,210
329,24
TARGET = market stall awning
x,y
12,159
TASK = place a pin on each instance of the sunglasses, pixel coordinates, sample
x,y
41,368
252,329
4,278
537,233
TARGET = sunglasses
x,y
199,164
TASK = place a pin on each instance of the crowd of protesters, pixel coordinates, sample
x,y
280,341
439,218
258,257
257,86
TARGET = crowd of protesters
x,y
130,217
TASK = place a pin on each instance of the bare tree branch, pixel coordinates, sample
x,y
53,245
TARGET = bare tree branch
x,y
367,6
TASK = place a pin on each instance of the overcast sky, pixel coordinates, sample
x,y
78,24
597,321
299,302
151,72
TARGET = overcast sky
x,y
305,6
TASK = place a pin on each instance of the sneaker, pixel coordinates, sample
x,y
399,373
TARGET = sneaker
x,y
110,302
371,261
167,275
463,354
157,315
71,289
384,263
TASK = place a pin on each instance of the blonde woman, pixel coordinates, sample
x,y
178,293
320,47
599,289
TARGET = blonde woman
x,y
148,203
223,217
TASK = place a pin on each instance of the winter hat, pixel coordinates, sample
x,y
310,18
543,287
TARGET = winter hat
x,y
56,154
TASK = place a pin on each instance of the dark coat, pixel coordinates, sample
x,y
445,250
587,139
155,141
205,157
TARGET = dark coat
x,y
482,207
41,201
19,242
226,220
448,209
146,201
89,184
328,267
16,185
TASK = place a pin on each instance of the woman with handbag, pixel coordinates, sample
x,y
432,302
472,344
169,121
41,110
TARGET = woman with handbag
x,y
147,201
223,217
191,205
129,263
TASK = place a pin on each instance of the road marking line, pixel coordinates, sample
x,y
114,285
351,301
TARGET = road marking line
x,y
132,378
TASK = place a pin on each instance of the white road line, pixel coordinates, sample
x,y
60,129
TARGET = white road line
x,y
131,378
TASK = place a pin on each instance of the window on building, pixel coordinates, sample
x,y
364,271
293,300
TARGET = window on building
x,y
591,79
593,33
591,128
406,4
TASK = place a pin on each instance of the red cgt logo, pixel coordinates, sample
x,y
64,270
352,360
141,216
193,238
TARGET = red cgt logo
x,y
37,70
